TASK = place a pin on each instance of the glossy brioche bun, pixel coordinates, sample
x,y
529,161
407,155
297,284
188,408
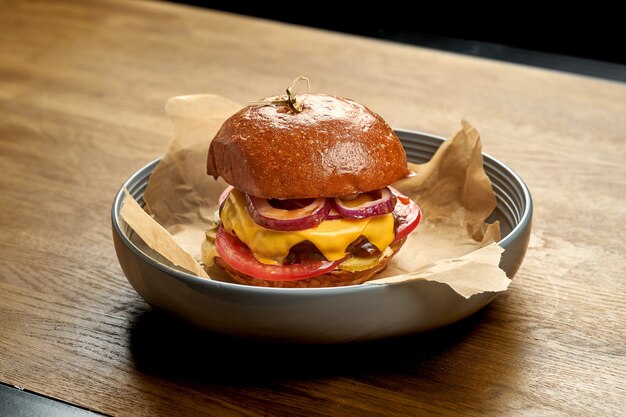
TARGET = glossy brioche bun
x,y
336,278
334,147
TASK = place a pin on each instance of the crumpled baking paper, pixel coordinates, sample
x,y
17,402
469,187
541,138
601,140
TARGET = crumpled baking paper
x,y
452,245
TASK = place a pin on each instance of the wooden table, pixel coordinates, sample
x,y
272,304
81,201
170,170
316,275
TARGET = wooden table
x,y
82,90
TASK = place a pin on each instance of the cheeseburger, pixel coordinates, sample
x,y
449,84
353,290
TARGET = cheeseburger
x,y
310,201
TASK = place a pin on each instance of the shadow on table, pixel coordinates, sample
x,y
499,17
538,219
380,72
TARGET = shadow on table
x,y
164,346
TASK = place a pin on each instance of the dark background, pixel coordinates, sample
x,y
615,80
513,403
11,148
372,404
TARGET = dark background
x,y
588,39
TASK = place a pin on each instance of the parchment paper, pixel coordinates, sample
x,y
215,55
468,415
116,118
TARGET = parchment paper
x,y
452,245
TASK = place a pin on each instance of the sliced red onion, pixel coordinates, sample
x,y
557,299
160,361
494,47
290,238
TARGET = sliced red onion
x,y
334,215
383,202
407,215
224,195
307,217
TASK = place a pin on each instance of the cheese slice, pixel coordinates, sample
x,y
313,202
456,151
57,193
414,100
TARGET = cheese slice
x,y
331,237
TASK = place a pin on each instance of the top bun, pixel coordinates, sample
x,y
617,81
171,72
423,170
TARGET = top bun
x,y
334,147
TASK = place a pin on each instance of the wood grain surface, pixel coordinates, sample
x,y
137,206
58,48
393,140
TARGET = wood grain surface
x,y
82,90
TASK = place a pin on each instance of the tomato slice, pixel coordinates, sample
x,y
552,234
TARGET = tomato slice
x,y
234,252
407,213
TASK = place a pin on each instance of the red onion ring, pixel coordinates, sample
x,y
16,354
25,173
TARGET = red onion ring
x,y
407,214
224,195
308,217
334,214
383,203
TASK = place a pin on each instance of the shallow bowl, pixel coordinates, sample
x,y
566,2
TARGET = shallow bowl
x,y
322,315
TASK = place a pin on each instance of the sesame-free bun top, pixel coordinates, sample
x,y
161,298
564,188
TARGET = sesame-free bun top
x,y
334,147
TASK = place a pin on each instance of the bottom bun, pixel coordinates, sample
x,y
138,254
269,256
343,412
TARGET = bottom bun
x,y
335,278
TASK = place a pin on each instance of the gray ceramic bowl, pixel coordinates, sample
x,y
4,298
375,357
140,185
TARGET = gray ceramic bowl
x,y
322,315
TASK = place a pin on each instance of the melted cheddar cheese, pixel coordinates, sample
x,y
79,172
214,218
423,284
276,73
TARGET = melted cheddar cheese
x,y
331,237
